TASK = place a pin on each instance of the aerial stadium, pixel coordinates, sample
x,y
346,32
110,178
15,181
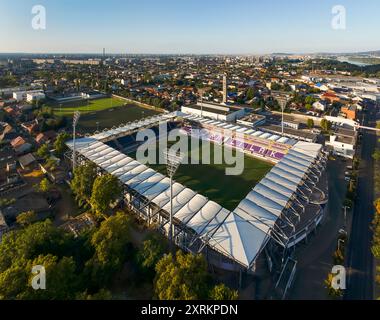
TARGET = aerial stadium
x,y
256,235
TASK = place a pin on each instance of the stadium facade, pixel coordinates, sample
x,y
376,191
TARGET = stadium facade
x,y
263,230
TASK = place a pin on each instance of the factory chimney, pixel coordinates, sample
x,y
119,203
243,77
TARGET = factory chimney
x,y
224,88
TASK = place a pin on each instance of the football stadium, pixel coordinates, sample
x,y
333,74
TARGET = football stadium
x,y
247,225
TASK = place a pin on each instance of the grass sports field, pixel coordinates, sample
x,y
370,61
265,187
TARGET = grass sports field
x,y
211,180
100,114
86,106
90,122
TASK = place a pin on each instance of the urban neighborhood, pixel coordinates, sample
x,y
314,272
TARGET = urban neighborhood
x,y
301,220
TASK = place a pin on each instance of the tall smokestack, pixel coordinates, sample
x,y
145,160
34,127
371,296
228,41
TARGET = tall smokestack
x,y
224,88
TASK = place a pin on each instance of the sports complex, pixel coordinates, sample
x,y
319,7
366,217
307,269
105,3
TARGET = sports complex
x,y
248,224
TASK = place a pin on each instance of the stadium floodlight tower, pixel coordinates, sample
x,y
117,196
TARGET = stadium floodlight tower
x,y
75,122
282,99
173,161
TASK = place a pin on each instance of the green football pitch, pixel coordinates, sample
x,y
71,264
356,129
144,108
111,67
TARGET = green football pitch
x,y
101,120
211,180
86,106
102,114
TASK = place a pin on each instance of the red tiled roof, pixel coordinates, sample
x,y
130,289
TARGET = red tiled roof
x,y
19,141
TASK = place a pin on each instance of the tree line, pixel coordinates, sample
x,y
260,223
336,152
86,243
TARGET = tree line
x,y
376,220
87,266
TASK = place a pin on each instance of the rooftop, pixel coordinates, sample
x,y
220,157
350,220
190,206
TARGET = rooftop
x,y
289,132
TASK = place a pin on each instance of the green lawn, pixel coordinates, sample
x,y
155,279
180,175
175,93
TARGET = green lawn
x,y
86,106
90,122
211,180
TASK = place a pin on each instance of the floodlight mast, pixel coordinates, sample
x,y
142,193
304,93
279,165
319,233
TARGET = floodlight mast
x,y
75,122
173,161
282,100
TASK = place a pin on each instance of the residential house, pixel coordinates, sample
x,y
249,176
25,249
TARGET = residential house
x,y
320,105
8,133
330,96
20,146
26,160
350,111
31,126
45,137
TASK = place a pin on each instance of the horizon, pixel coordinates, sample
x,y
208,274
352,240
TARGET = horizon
x,y
189,53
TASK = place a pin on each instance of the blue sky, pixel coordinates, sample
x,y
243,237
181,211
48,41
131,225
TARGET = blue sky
x,y
191,26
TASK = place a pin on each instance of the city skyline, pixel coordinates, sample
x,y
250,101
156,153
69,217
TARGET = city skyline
x,y
168,27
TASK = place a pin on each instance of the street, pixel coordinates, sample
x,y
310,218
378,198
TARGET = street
x,y
315,258
360,259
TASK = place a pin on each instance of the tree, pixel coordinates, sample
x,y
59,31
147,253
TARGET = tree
x,y
83,181
45,186
111,238
60,143
377,206
308,106
51,164
152,250
184,277
26,218
376,251
377,279
334,293
376,155
6,202
37,238
325,125
37,244
102,294
43,151
250,94
105,190
13,281
309,100
310,123
112,246
61,279
222,292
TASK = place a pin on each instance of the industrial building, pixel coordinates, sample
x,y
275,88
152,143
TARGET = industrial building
x,y
28,95
343,142
214,111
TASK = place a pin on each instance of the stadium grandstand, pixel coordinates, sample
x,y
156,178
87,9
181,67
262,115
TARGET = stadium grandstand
x,y
261,233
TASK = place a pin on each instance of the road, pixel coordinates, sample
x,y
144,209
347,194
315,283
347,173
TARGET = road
x,y
360,260
315,259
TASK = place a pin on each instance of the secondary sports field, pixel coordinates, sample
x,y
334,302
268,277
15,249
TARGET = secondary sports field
x,y
86,106
100,120
100,114
211,180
